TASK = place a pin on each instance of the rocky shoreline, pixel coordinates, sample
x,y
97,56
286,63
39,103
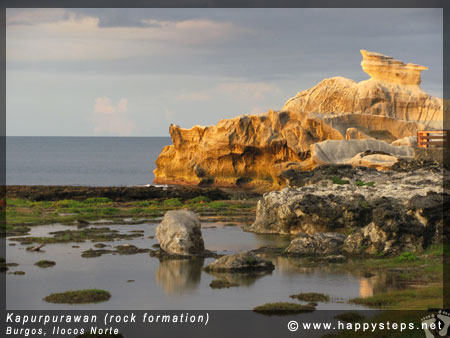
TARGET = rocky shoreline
x,y
119,194
341,209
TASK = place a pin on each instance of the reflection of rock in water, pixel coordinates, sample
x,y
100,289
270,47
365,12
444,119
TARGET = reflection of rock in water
x,y
179,275
365,287
296,265
240,278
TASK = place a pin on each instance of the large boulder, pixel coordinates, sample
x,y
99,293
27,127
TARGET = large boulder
x,y
316,244
294,211
246,261
179,233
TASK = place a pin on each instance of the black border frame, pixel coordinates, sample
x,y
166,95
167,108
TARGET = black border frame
x,y
222,4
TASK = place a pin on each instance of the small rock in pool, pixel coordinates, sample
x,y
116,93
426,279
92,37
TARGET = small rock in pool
x,y
241,262
45,264
20,273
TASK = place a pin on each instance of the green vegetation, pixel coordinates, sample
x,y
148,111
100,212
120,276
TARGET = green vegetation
x,y
78,236
311,297
79,297
218,205
407,256
97,200
45,264
21,213
339,180
426,267
361,183
199,199
412,299
281,308
173,202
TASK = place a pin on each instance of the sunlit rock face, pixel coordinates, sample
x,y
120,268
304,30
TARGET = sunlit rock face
x,y
253,150
240,151
386,68
392,91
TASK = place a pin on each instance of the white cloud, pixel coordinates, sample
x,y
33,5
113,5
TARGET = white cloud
x,y
111,119
59,35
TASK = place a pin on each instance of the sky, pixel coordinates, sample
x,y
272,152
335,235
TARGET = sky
x,y
133,72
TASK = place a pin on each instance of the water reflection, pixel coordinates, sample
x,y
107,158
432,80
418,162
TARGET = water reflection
x,y
241,279
177,276
365,287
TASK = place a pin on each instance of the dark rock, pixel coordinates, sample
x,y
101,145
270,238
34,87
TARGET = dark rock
x,y
119,194
316,244
240,262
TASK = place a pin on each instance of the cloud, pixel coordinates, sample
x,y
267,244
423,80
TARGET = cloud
x,y
111,119
61,35
251,91
32,16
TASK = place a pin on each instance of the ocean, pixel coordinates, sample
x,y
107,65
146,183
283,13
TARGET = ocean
x,y
88,161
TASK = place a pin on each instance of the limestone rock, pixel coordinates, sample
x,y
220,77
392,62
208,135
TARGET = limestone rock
x,y
239,151
349,151
386,68
356,134
385,212
377,161
392,91
410,141
240,262
254,150
316,244
294,211
180,233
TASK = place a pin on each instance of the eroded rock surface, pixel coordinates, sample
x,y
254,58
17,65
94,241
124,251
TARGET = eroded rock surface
x,y
356,152
254,150
179,233
316,244
384,212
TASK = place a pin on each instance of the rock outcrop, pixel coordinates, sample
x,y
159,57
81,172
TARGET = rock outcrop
x,y
316,244
392,91
385,68
349,151
254,150
240,262
384,212
179,233
240,151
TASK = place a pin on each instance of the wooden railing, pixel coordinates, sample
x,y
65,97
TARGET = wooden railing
x,y
432,139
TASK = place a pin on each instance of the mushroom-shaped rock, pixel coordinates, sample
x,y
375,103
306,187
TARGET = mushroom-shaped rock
x,y
240,262
180,233
386,68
